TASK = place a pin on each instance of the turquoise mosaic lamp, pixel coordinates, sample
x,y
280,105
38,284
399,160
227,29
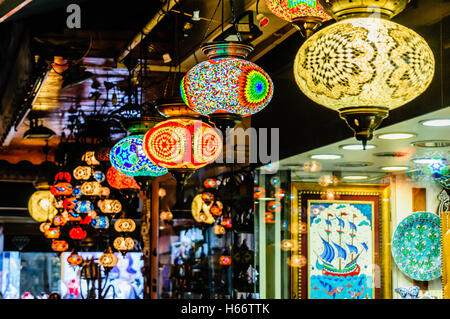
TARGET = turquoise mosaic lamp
x,y
128,157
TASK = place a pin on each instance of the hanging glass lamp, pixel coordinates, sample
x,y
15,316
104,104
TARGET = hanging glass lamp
x,y
306,15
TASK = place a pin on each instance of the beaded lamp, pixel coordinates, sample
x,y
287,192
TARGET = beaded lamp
x,y
128,157
226,86
182,143
305,15
119,180
40,206
364,65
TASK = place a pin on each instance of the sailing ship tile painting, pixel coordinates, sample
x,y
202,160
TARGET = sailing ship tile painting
x,y
341,250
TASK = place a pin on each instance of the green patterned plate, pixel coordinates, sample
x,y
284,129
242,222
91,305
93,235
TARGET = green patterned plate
x,y
416,246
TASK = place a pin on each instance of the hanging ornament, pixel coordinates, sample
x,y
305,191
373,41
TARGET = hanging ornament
x,y
89,158
69,203
118,180
61,189
43,227
216,208
128,157
63,177
100,222
82,172
74,259
59,220
124,225
123,244
182,143
108,259
259,192
91,188
84,206
210,183
52,233
109,206
99,176
41,206
364,65
166,215
226,86
219,230
306,15
77,233
200,210
435,166
225,260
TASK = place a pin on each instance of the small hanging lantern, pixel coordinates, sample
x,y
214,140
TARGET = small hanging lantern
x,y
226,86
69,203
99,176
63,177
166,215
210,183
219,230
225,260
60,245
61,189
82,172
123,244
118,180
274,206
128,157
269,218
306,15
100,222
52,233
227,222
108,259
91,188
216,208
41,206
124,225
59,220
43,227
77,233
182,143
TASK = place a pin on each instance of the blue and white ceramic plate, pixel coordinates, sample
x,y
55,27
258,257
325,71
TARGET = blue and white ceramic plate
x,y
416,246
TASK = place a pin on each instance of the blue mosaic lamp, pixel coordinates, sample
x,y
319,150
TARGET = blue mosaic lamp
x,y
128,157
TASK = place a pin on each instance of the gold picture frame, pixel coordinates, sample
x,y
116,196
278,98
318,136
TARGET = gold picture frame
x,y
445,237
381,191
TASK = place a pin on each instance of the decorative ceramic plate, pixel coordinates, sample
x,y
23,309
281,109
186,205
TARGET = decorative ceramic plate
x,y
416,246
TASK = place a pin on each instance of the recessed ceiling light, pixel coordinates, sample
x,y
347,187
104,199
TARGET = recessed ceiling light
x,y
395,136
436,122
356,147
326,156
394,168
355,177
436,143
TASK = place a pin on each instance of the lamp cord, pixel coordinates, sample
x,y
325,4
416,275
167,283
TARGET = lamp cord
x,y
210,20
233,14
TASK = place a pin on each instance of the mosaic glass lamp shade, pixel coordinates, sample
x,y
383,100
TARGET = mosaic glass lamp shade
x,y
82,172
119,180
52,233
123,244
128,157
306,15
41,207
291,10
226,83
100,222
124,225
182,144
363,66
61,189
77,233
59,245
